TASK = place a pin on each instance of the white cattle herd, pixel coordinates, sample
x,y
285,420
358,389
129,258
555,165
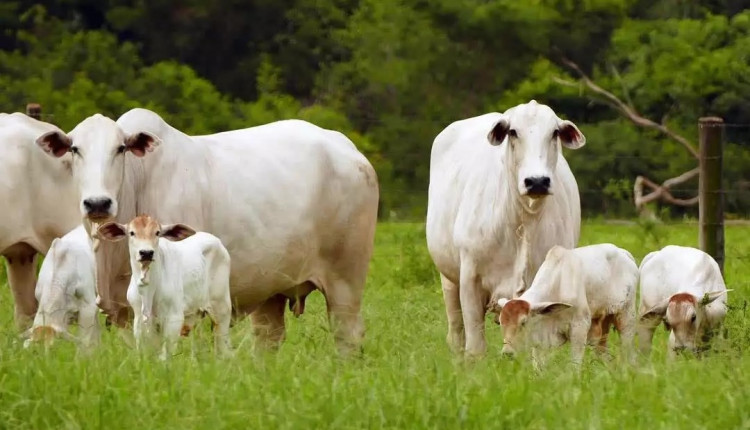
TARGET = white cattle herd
x,y
250,221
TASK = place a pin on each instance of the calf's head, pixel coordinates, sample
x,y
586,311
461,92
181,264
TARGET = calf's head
x,y
517,315
99,147
533,134
143,234
683,314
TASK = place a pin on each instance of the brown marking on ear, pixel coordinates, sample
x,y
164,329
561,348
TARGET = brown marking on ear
x,y
140,143
177,232
513,310
111,231
185,330
55,143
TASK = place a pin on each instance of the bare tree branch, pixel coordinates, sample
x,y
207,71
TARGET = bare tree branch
x,y
662,192
627,111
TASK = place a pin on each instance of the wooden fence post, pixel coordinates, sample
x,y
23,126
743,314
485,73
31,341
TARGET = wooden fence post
x,y
711,197
34,110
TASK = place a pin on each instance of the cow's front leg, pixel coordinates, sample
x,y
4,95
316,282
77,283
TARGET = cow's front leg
x,y
473,311
456,338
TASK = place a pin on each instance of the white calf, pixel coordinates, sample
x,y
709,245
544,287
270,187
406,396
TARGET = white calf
x,y
172,284
575,296
66,287
682,287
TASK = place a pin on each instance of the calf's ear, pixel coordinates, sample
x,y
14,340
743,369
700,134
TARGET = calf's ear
x,y
176,232
54,143
112,231
549,308
657,312
710,297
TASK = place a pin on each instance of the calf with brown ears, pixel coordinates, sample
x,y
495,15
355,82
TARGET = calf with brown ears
x,y
683,288
177,275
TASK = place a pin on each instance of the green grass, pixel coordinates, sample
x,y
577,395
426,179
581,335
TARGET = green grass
x,y
407,378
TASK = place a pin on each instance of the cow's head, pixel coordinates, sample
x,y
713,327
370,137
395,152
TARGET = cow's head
x,y
533,134
516,315
143,234
683,314
99,147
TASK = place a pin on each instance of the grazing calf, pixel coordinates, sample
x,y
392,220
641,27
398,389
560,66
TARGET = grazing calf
x,y
575,296
682,287
175,280
66,287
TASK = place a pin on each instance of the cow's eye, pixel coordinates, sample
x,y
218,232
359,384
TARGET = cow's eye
x,y
555,133
121,149
512,133
692,319
132,233
158,232
74,149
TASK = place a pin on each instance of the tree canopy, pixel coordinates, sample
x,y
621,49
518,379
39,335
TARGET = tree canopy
x,y
392,74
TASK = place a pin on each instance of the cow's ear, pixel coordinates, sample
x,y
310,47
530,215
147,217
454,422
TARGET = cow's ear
x,y
499,131
141,143
55,143
176,232
570,136
112,231
549,308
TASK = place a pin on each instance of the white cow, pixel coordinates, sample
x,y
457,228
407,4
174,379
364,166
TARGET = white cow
x,y
683,287
294,204
33,191
66,288
172,284
501,195
576,296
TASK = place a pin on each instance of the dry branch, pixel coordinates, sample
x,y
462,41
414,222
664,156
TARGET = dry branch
x,y
659,192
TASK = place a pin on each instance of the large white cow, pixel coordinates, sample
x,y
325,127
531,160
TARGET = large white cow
x,y
294,204
33,189
501,195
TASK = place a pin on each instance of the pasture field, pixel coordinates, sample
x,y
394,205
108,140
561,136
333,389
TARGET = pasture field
x,y
407,377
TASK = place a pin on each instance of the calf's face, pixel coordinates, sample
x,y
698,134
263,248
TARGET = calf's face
x,y
518,317
683,314
143,234
534,133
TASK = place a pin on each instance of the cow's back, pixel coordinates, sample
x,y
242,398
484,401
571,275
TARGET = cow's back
x,y
611,276
287,199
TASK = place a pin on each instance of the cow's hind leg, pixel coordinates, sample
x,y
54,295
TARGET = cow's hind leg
x,y
20,264
268,323
456,337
